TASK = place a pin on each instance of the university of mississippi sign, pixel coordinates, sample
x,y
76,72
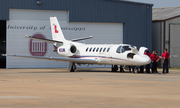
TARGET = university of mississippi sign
x,y
37,48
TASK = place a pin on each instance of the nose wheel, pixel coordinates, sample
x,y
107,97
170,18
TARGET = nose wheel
x,y
135,69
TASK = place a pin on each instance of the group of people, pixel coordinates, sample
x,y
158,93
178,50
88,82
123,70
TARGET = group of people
x,y
154,60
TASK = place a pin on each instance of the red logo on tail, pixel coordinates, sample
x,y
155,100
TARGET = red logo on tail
x,y
55,28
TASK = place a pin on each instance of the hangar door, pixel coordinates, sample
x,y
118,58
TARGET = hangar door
x,y
36,23
175,45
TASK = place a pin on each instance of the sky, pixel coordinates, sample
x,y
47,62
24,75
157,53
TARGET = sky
x,y
160,3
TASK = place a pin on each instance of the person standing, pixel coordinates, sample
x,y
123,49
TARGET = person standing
x,y
142,69
162,56
154,59
148,65
166,61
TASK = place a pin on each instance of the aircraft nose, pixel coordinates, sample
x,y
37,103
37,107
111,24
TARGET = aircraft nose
x,y
142,59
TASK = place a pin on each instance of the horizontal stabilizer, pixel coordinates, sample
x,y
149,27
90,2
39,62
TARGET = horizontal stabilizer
x,y
83,38
44,40
75,60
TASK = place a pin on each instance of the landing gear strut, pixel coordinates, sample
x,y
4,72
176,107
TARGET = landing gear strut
x,y
135,69
121,69
72,67
114,68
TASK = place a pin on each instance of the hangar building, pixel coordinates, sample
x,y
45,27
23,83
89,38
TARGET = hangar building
x,y
108,21
166,32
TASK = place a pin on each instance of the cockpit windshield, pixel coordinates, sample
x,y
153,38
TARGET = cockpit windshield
x,y
125,48
119,49
134,47
122,49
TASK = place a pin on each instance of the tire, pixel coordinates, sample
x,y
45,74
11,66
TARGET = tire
x,y
135,70
72,69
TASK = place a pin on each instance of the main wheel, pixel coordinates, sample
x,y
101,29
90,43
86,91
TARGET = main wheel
x,y
114,68
72,69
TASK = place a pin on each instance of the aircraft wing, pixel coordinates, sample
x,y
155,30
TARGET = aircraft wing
x,y
75,60
44,40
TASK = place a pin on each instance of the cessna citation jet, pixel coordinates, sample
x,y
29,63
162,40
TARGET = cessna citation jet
x,y
79,53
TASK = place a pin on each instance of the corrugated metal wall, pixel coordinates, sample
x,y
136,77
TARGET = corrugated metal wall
x,y
137,17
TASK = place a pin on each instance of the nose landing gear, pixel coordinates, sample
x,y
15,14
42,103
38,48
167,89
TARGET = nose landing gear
x,y
135,69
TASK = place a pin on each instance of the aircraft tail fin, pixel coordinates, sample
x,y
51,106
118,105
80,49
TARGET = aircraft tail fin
x,y
56,31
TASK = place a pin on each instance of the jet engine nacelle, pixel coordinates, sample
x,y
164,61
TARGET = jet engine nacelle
x,y
67,50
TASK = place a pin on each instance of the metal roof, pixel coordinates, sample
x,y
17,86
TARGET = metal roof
x,y
165,13
133,2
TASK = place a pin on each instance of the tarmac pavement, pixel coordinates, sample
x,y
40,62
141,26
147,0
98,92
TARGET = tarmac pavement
x,y
87,88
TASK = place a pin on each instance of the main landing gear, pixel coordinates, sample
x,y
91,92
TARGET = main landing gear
x,y
72,67
114,68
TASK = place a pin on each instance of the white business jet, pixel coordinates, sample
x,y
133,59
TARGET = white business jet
x,y
79,53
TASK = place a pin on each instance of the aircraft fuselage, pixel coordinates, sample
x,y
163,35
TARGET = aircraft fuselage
x,y
105,54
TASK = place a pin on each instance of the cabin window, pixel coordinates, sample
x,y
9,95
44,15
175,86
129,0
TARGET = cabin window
x,y
97,49
104,50
100,50
90,49
94,49
87,49
108,49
